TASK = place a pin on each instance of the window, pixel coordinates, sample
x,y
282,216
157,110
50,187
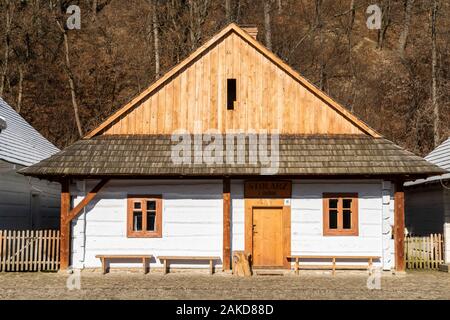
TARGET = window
x,y
144,216
231,93
340,214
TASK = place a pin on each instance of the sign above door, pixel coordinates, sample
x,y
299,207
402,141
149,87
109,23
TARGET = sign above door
x,y
268,189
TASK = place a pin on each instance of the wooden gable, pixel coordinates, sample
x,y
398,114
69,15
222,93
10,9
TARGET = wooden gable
x,y
270,95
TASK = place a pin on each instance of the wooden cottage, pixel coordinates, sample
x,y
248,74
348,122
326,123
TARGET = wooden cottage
x,y
335,191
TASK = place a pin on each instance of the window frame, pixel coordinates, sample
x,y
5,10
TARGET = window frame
x,y
340,231
131,199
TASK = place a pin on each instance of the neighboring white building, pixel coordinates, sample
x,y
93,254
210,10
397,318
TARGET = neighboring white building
x,y
427,202
25,203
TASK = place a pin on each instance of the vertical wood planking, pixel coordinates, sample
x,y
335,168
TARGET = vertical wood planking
x,y
267,97
191,109
198,92
242,71
205,92
182,102
221,108
169,109
161,107
176,92
229,64
213,110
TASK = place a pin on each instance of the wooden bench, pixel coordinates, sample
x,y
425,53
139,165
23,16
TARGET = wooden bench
x,y
333,266
144,259
166,260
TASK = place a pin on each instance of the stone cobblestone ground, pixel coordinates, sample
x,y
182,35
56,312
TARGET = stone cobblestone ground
x,y
309,285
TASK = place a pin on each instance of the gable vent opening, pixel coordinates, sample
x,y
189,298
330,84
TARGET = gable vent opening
x,y
231,93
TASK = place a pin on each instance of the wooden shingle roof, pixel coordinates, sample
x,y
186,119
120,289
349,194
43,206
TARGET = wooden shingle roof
x,y
150,156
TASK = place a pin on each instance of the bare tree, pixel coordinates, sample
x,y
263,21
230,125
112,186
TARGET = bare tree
x,y
228,11
408,4
351,23
8,22
434,72
385,22
198,11
71,78
268,23
20,90
280,6
156,47
319,28
94,9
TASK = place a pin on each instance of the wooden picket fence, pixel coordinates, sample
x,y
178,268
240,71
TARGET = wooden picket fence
x,y
424,252
29,250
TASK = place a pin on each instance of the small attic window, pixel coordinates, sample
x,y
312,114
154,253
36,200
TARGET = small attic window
x,y
231,93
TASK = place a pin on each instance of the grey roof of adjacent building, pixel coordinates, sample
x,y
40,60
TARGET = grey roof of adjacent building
x,y
305,155
440,157
2,124
20,143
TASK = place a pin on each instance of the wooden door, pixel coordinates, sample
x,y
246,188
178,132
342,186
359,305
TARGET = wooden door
x,y
268,237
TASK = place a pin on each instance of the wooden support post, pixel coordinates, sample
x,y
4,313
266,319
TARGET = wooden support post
x,y
64,252
75,212
226,259
399,227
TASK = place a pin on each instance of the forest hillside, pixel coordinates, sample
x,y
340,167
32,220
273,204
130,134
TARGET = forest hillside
x,y
65,82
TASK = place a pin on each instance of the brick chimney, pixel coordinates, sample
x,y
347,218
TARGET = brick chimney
x,y
251,30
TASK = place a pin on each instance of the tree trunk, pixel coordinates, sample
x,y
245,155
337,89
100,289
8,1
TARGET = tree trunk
x,y
280,7
8,21
228,11
385,23
268,23
20,93
71,80
155,27
405,32
434,72
94,9
352,12
322,72
198,11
